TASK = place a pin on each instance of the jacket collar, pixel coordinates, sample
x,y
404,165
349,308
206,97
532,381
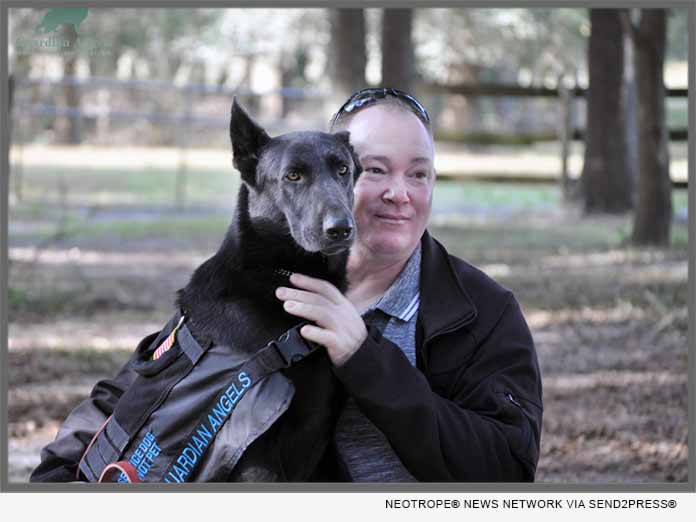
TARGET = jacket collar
x,y
441,288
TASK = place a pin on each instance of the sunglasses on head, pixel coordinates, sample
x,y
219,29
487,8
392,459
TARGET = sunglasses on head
x,y
367,96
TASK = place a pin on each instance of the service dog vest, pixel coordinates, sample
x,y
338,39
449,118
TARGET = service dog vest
x,y
184,393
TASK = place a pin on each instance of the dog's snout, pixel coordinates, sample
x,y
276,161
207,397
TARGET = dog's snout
x,y
338,229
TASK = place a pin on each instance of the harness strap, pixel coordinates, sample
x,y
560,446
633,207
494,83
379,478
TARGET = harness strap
x,y
288,349
83,463
147,394
121,427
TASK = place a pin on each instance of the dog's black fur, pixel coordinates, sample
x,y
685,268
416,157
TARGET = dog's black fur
x,y
301,226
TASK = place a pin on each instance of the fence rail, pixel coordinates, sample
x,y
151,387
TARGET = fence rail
x,y
100,82
155,117
490,89
566,97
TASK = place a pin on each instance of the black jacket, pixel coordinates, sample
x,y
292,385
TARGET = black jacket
x,y
471,411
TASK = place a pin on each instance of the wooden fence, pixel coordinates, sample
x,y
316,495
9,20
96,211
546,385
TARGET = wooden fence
x,y
187,118
566,98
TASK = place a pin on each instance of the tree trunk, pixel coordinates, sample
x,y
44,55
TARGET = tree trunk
x,y
249,101
653,216
10,104
348,53
398,67
607,185
631,105
286,77
68,128
15,171
292,74
565,133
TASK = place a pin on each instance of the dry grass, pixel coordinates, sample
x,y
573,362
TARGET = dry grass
x,y
610,323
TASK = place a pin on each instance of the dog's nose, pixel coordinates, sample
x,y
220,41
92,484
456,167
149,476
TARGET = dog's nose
x,y
339,229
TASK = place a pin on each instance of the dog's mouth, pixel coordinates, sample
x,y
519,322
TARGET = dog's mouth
x,y
335,249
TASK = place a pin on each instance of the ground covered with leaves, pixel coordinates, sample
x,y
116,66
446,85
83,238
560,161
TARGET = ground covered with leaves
x,y
610,322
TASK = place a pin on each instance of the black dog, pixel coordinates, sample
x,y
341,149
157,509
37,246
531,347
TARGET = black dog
x,y
294,213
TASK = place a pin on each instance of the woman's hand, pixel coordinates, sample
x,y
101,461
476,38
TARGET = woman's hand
x,y
339,326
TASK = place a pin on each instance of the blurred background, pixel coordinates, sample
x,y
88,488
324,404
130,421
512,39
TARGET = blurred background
x,y
561,151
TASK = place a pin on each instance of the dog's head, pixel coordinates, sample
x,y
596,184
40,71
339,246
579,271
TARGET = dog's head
x,y
303,180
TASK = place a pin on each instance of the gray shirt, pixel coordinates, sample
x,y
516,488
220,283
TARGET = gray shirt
x,y
363,447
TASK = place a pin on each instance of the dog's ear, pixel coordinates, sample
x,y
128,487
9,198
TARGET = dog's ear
x,y
344,137
247,140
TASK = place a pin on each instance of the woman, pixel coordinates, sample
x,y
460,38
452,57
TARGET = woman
x,y
436,357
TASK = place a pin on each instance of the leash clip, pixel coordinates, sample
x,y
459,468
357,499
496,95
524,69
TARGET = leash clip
x,y
292,347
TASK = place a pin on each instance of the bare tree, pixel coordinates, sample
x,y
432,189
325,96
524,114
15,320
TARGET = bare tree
x,y
653,218
69,128
631,105
348,51
398,58
607,184
10,101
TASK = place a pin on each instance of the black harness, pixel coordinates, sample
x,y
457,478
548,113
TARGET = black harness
x,y
165,421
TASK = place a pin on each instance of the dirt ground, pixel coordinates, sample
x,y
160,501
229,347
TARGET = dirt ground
x,y
610,324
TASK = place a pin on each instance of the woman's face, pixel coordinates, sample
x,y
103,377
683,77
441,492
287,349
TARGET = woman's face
x,y
393,195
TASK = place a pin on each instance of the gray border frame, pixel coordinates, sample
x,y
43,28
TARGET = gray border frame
x,y
340,487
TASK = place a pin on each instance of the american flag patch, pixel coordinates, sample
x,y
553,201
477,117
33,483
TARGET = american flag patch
x,y
168,342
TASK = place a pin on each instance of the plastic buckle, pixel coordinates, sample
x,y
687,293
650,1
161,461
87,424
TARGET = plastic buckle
x,y
292,346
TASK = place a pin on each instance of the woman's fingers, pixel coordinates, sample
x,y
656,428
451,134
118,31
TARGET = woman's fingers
x,y
292,294
311,312
338,325
318,335
318,286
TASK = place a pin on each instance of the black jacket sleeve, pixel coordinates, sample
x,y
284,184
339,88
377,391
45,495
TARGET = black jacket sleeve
x,y
60,458
484,428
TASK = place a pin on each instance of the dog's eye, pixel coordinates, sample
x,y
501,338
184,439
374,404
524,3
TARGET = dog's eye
x,y
293,175
343,169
